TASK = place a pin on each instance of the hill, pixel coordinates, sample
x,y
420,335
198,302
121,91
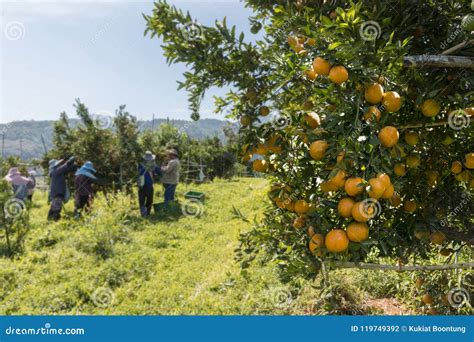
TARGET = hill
x,y
24,138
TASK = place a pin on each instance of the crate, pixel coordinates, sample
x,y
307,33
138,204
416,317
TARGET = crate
x,y
171,208
194,195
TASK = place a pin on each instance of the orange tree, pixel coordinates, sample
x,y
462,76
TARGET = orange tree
x,y
367,158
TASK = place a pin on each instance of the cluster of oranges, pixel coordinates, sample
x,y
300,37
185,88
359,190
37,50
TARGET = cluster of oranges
x,y
461,170
337,74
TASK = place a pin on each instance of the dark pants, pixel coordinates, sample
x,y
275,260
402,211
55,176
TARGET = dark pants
x,y
80,203
54,213
145,199
170,189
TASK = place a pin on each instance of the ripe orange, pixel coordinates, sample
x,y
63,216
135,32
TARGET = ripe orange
x,y
469,111
336,241
400,169
437,238
357,232
311,74
376,188
413,161
353,186
312,119
340,156
245,120
419,282
311,42
362,212
260,165
374,93
344,208
389,191
339,179
430,108
317,242
392,101
388,136
299,222
411,138
410,206
301,206
308,105
427,299
463,176
279,203
385,179
422,234
260,149
292,41
321,66
318,149
469,160
311,231
372,113
395,200
338,74
264,111
432,177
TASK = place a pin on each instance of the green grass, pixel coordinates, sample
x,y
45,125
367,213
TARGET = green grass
x,y
146,266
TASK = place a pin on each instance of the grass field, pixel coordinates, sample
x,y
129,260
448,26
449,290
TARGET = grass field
x,y
114,262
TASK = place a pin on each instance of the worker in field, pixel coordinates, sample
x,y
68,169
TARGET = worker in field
x,y
170,174
32,185
58,189
19,183
84,193
147,169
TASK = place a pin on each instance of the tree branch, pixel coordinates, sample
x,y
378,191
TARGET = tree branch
x,y
365,266
438,61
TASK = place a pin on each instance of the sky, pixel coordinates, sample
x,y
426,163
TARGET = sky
x,y
53,52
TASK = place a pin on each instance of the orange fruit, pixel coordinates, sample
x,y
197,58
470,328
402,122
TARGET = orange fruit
x,y
245,120
353,186
400,169
260,165
463,176
260,149
318,149
376,188
321,66
340,157
280,203
469,111
372,113
311,231
385,179
389,191
374,93
299,222
395,200
422,234
301,206
437,238
430,108
312,119
308,105
317,242
336,241
469,160
432,177
419,282
357,232
339,179
413,161
292,41
338,74
264,111
456,167
311,42
427,299
410,206
391,101
311,74
344,207
411,138
446,252
361,212
388,136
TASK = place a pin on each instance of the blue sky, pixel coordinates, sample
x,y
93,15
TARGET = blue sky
x,y
55,51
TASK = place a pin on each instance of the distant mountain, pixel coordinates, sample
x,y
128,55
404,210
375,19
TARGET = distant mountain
x,y
25,138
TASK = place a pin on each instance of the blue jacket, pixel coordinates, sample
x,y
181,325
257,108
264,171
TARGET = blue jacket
x,y
148,175
58,178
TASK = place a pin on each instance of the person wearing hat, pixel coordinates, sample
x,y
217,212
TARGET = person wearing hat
x,y
84,193
18,182
32,185
146,170
58,190
170,177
